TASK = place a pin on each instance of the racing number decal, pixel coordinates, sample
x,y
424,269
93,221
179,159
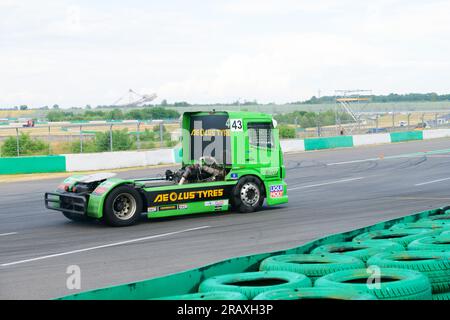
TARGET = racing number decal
x,y
236,125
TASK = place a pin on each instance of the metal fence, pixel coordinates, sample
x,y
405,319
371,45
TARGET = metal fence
x,y
78,137
379,123
58,138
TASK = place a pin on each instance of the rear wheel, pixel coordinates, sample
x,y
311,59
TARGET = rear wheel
x,y
123,207
248,195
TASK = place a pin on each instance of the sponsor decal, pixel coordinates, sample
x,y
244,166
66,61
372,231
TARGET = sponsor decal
x,y
276,191
187,195
210,132
169,207
195,195
269,171
165,208
217,203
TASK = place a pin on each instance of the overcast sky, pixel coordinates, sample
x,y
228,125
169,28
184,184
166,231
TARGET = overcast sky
x,y
75,53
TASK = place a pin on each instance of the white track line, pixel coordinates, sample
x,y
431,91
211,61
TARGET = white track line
x,y
352,161
325,183
7,234
101,247
429,182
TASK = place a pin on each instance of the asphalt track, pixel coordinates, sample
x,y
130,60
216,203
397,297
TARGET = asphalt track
x,y
329,191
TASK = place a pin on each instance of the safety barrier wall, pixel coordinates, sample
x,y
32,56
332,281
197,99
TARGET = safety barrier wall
x,y
406,136
32,164
434,134
368,139
328,143
115,160
361,140
188,281
292,145
123,159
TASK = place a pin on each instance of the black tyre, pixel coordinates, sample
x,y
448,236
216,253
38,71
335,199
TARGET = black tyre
x,y
313,266
402,236
123,206
253,283
362,250
213,295
247,195
315,293
75,217
394,284
434,243
434,264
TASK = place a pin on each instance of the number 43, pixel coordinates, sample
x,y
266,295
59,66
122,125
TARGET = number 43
x,y
235,124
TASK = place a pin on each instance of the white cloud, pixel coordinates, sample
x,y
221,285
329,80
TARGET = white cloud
x,y
91,53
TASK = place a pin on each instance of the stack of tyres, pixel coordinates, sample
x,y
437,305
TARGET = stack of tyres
x,y
439,217
340,270
435,225
213,295
435,243
362,250
387,284
401,236
252,284
313,266
322,293
434,264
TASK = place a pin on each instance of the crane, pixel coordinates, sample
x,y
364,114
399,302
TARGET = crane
x,y
134,99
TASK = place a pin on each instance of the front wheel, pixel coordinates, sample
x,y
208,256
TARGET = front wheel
x,y
248,195
123,207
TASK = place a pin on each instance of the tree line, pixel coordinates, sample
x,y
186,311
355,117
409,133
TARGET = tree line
x,y
392,97
115,114
308,119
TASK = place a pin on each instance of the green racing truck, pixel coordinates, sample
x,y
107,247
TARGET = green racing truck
x,y
229,160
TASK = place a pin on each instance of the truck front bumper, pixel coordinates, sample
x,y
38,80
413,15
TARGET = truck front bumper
x,y
66,202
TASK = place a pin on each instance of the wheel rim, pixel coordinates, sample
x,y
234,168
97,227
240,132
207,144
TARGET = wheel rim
x,y
124,206
250,194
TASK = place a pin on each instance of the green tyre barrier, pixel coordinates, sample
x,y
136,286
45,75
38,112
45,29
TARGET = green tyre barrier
x,y
362,250
439,217
441,296
213,295
434,264
394,284
321,293
253,283
313,266
434,243
438,225
401,236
